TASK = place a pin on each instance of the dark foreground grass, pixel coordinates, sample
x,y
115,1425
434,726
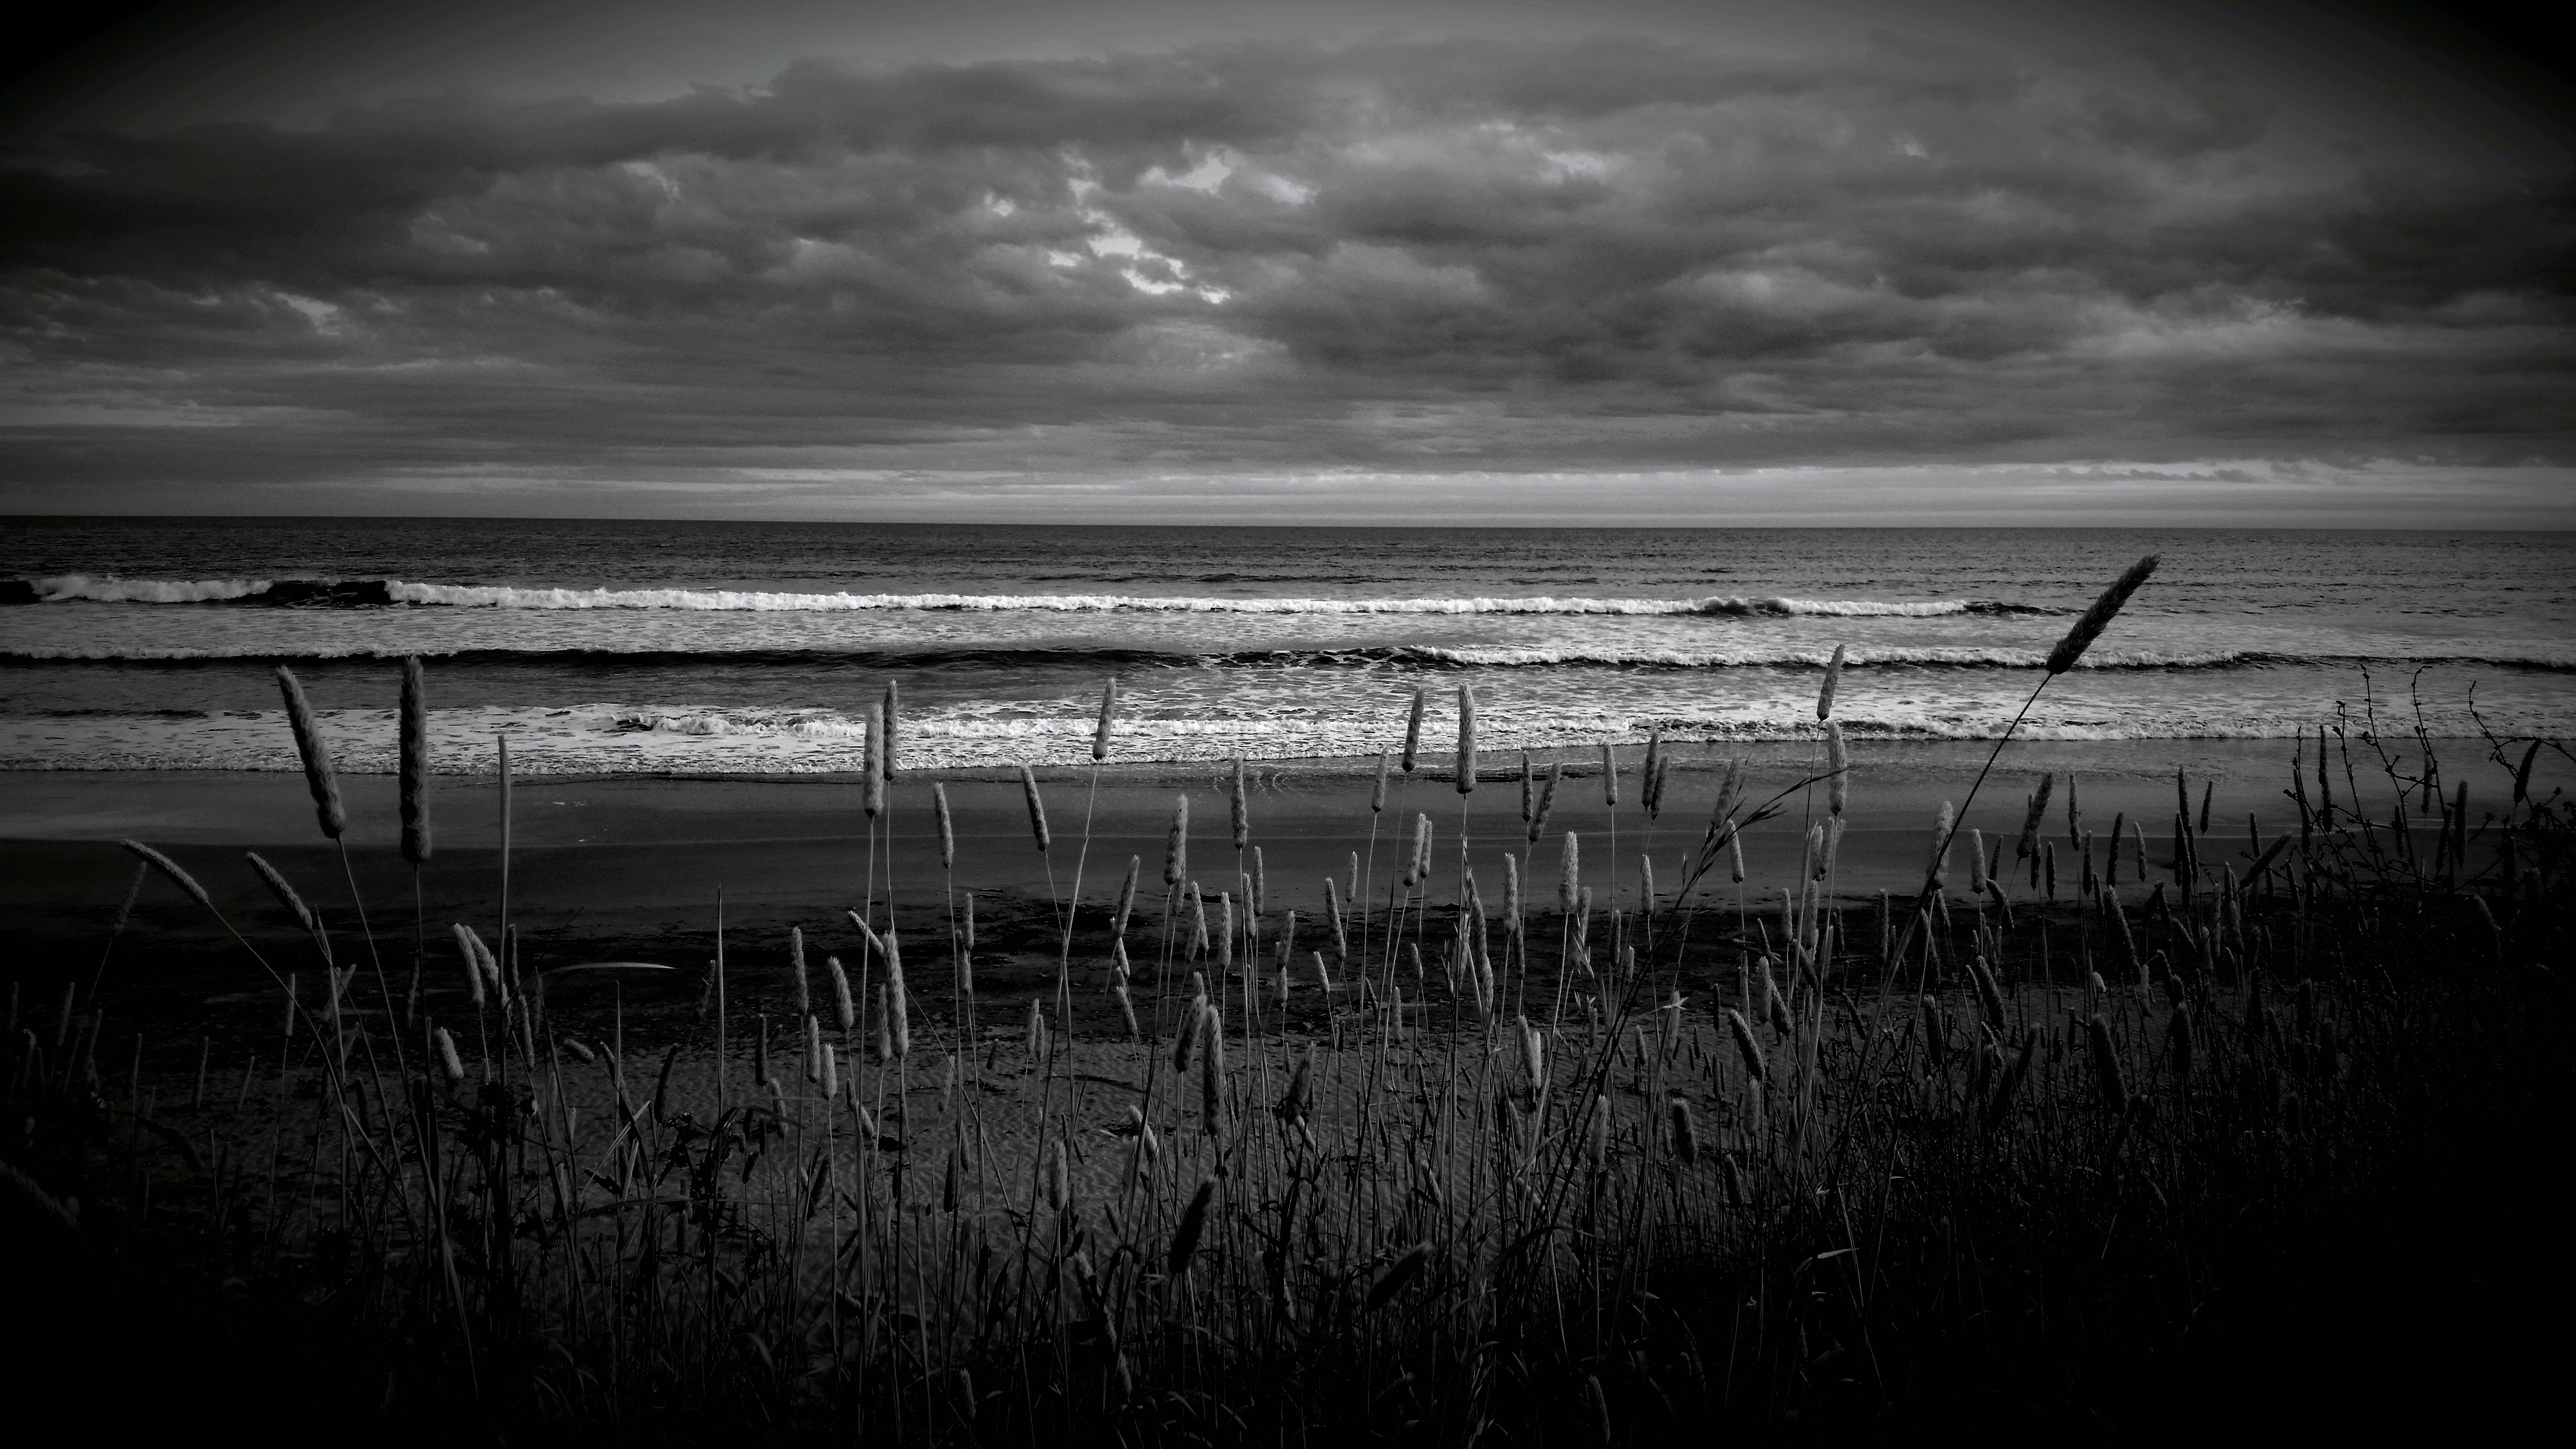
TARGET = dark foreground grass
x,y
2268,1145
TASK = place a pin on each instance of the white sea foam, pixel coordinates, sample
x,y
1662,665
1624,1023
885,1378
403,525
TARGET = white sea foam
x,y
108,589
612,739
477,596
1859,658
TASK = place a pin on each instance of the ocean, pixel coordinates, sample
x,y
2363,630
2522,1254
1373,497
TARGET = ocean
x,y
755,648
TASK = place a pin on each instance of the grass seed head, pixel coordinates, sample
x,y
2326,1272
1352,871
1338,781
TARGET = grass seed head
x,y
1212,1072
1037,808
899,1003
1746,1046
470,947
1185,1041
1825,693
295,906
416,842
796,956
1546,802
1055,1181
1300,1098
1185,1238
1398,1273
843,1012
1990,995
328,811
1135,868
1466,740
891,711
2106,1062
2089,627
1838,761
1685,1133
872,763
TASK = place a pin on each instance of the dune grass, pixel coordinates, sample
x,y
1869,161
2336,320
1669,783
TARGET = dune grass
x,y
1433,1171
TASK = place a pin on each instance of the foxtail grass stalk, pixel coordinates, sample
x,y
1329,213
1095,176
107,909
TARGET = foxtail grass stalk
x,y
187,884
501,744
417,840
2079,638
329,811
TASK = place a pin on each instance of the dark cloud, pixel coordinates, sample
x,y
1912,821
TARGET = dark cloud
x,y
1470,254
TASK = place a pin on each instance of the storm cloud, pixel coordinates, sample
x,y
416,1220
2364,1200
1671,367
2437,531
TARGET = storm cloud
x,y
1377,261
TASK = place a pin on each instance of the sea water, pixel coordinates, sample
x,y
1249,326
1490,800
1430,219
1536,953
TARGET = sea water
x,y
614,646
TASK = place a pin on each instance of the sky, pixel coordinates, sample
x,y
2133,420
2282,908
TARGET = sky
x,y
1677,261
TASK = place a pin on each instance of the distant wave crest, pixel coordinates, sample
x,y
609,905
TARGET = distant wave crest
x,y
377,593
1416,656
275,593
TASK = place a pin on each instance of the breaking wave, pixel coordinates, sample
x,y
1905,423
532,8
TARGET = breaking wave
x,y
379,593
828,655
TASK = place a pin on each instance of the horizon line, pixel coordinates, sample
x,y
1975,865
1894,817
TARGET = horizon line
x,y
1651,525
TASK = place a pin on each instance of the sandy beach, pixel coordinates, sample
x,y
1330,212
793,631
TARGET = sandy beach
x,y
621,858
627,869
